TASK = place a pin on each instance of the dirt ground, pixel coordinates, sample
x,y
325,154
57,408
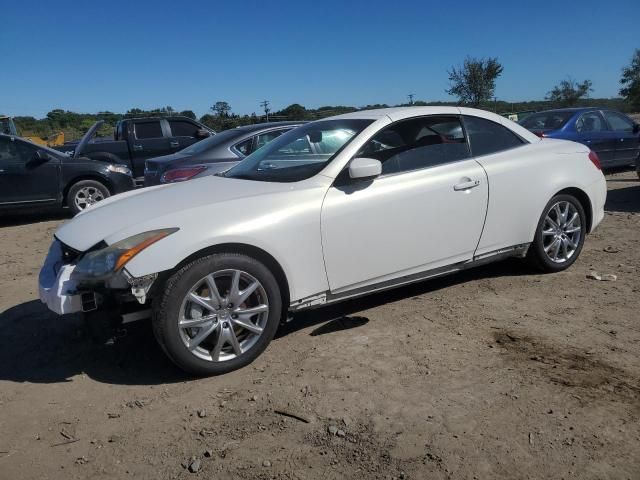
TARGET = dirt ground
x,y
496,373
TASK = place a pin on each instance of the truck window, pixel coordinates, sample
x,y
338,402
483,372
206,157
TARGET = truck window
x,y
148,129
182,128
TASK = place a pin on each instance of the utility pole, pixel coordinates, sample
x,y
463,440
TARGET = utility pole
x,y
265,104
410,96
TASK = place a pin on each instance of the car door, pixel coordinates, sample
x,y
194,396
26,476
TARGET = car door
x,y
183,133
149,138
592,130
26,178
627,138
423,213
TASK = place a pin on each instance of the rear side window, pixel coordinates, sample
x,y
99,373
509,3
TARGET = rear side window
x,y
148,130
418,143
182,128
244,147
264,138
488,137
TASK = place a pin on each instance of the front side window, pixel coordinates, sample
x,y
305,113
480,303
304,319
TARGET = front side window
x,y
7,150
148,130
300,153
590,122
486,137
16,151
417,143
619,122
182,128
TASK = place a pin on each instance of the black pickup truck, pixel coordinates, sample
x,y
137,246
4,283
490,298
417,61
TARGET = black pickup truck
x,y
137,139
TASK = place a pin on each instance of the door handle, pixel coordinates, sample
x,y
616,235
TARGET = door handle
x,y
138,148
466,185
174,144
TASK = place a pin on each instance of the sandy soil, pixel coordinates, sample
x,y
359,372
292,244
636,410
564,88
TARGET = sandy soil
x,y
497,373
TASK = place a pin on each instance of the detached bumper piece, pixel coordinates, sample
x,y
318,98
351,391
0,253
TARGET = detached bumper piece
x,y
57,287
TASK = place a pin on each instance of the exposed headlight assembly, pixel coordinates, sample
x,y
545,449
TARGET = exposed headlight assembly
x,y
106,261
119,169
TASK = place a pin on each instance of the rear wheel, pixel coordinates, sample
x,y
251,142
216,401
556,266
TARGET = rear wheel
x,y
218,313
85,193
560,234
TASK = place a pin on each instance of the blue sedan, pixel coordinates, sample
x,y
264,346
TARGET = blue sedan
x,y
612,135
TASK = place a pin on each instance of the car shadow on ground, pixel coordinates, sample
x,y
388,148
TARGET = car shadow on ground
x,y
626,199
39,347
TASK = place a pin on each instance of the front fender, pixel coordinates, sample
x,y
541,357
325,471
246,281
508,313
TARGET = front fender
x,y
285,226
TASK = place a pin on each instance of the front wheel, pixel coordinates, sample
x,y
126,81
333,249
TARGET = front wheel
x,y
218,313
560,234
85,193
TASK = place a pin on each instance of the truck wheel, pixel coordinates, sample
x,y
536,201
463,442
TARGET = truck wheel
x,y
218,313
85,193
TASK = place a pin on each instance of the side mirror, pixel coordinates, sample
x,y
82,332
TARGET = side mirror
x,y
636,127
364,168
202,133
38,158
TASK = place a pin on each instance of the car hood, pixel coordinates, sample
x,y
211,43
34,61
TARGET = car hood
x,y
147,209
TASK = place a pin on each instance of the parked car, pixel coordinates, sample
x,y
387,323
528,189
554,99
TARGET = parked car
x,y
612,135
137,139
36,176
334,209
215,154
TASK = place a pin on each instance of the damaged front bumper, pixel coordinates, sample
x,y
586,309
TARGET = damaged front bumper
x,y
64,290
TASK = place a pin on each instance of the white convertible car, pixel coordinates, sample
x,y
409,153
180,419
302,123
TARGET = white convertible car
x,y
334,209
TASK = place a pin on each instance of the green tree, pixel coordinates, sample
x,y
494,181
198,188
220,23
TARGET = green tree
x,y
569,92
221,109
630,81
474,82
294,111
188,114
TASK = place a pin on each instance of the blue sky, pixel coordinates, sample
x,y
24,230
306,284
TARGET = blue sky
x,y
112,55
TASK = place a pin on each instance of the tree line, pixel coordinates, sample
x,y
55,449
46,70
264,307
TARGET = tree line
x,y
473,83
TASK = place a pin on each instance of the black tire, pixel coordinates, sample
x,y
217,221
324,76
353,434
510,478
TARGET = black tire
x,y
166,312
83,185
537,256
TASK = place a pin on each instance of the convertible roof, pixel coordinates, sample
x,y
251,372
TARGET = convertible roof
x,y
400,113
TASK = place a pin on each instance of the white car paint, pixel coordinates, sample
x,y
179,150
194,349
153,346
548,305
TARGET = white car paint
x,y
329,241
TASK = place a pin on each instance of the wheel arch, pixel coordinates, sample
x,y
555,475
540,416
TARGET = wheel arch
x,y
252,251
95,177
584,200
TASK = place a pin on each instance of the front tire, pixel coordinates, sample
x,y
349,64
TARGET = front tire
x,y
560,234
218,313
85,193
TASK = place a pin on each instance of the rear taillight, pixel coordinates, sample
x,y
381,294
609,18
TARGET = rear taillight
x,y
181,174
593,156
539,133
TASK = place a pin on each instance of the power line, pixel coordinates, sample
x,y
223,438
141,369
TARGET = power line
x,y
265,104
410,96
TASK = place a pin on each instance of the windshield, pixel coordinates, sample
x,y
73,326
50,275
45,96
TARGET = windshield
x,y
546,120
300,153
212,141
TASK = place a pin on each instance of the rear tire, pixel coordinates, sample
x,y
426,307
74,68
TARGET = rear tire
x,y
560,234
84,193
212,332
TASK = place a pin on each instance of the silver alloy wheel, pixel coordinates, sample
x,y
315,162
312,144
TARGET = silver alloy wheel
x,y
561,232
223,315
87,196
